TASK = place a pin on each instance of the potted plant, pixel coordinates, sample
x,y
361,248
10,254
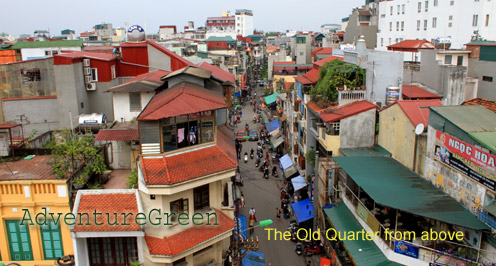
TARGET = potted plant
x,y
79,182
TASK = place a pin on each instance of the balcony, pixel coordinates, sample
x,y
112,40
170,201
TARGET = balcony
x,y
348,96
331,142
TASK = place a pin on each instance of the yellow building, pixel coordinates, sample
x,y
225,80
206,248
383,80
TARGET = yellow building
x,y
29,187
397,124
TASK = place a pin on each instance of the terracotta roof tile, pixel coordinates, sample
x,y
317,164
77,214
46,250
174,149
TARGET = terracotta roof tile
x,y
321,62
107,203
411,45
488,104
182,241
112,134
347,110
415,92
218,73
38,168
415,113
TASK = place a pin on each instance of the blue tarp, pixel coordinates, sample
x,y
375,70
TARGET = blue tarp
x,y
272,125
298,183
240,222
303,210
253,258
285,162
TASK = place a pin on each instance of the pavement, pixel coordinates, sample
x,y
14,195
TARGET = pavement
x,y
118,179
263,195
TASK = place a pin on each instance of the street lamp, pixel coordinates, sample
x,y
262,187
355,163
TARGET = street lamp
x,y
248,244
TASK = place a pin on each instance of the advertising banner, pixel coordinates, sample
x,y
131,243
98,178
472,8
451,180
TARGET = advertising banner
x,y
468,159
406,249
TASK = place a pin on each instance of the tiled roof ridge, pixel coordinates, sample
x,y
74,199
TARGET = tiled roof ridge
x,y
166,170
194,95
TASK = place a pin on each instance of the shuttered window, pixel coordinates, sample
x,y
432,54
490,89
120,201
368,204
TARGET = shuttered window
x,y
134,102
52,241
19,240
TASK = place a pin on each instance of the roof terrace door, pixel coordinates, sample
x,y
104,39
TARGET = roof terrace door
x,y
117,251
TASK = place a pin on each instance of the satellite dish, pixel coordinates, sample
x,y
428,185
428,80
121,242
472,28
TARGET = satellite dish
x,y
419,129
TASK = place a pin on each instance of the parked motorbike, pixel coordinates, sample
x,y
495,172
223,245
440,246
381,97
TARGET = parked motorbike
x,y
274,171
299,248
312,249
257,162
246,157
252,154
266,175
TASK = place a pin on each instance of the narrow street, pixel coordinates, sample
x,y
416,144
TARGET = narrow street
x,y
263,195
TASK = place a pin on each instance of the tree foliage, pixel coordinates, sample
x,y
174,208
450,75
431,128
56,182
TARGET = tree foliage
x,y
72,152
336,74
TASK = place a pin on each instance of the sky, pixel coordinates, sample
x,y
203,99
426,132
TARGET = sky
x,y
26,16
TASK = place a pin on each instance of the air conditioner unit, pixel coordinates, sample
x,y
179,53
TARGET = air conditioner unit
x,y
87,79
87,71
91,86
86,62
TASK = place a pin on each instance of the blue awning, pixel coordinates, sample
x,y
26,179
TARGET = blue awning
x,y
254,258
303,210
240,225
285,162
272,125
298,182
237,94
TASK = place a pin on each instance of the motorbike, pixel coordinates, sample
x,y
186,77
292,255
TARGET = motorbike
x,y
257,162
254,119
298,248
246,157
266,175
252,154
274,171
246,127
312,249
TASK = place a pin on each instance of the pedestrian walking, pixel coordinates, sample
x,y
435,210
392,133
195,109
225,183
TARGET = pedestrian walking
x,y
252,213
309,263
267,155
278,215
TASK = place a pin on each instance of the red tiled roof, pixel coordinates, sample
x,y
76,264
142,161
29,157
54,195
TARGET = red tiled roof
x,y
284,63
312,75
38,168
415,92
415,114
107,203
190,165
113,134
7,126
315,107
184,240
488,104
85,54
183,98
287,85
272,49
411,45
347,110
363,12
151,80
321,62
321,50
218,73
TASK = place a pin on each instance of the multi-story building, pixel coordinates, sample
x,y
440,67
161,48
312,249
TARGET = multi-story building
x,y
449,21
167,32
221,26
29,187
362,22
481,62
244,22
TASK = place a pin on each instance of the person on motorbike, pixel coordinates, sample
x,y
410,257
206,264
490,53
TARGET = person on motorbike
x,y
246,157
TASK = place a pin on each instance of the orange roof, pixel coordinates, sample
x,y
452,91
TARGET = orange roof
x,y
321,50
184,240
38,168
284,63
347,110
218,73
168,170
411,45
287,85
321,62
415,92
316,108
107,203
414,112
116,134
183,98
488,104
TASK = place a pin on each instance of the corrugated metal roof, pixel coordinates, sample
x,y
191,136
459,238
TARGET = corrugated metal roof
x,y
376,150
65,43
146,82
191,70
415,92
364,252
391,184
488,139
112,134
470,118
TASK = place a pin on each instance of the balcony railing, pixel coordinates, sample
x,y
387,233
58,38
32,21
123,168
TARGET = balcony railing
x,y
347,96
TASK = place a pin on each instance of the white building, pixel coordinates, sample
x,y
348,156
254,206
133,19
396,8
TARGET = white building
x,y
244,22
167,32
221,26
455,20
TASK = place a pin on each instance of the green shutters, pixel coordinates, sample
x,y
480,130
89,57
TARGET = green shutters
x,y
19,240
52,241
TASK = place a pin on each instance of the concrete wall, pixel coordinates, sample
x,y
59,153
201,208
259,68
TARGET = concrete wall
x,y
358,131
120,154
478,68
354,31
281,56
32,53
121,105
158,60
42,114
101,102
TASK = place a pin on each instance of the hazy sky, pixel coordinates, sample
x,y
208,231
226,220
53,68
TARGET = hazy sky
x,y
26,16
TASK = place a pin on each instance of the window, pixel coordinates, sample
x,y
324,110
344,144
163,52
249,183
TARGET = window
x,y
19,240
30,75
398,9
403,9
389,41
397,25
460,60
94,74
425,24
112,250
419,7
177,207
475,19
426,6
112,72
487,20
382,42
487,78
452,2
52,241
447,59
333,129
187,130
450,24
180,262
135,102
435,2
391,10
201,197
390,26
402,25
434,22
418,25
